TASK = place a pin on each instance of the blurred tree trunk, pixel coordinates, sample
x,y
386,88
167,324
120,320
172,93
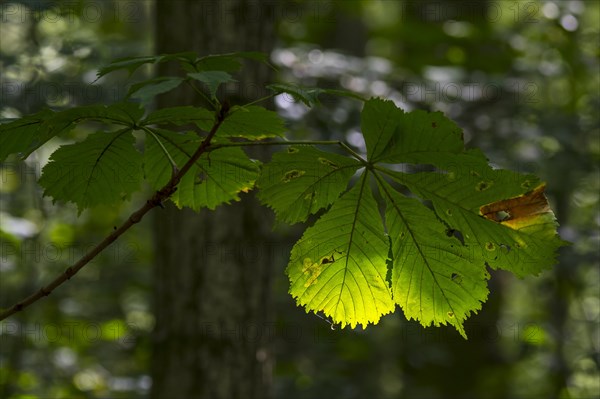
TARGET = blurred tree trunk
x,y
213,270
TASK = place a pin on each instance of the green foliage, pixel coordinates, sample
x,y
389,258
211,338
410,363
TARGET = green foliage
x,y
250,122
423,240
304,180
216,178
441,242
102,169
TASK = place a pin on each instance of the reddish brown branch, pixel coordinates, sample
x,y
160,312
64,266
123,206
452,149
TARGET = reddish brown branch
x,y
156,200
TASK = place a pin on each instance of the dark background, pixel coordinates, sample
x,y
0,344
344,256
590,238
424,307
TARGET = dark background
x,y
520,77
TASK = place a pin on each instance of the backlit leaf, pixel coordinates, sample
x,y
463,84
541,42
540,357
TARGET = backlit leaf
x,y
339,265
303,180
217,177
105,168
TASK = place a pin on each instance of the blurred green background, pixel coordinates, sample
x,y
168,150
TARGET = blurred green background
x,y
522,78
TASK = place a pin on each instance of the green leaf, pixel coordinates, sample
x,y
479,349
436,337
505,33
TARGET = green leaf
x,y
217,177
225,63
213,79
180,116
310,95
24,135
393,136
303,180
229,62
126,113
105,168
339,265
524,247
251,122
27,134
146,91
432,278
466,216
133,63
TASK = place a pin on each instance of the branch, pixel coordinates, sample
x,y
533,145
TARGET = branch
x,y
156,200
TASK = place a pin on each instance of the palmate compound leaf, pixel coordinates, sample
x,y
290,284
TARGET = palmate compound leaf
x,y
303,180
218,176
467,216
339,265
105,168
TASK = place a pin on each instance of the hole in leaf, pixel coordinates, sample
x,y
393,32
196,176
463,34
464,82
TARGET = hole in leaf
x,y
483,185
292,150
501,216
449,212
457,278
200,177
428,204
327,162
310,196
456,234
490,246
291,175
451,315
505,248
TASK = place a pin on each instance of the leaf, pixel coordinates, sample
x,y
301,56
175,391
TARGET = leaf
x,y
458,199
339,265
27,134
146,91
303,180
432,279
213,79
393,136
251,122
217,63
23,135
180,116
105,168
218,176
309,95
125,113
229,62
133,63
445,227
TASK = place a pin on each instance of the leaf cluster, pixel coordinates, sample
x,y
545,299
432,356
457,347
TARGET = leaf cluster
x,y
417,221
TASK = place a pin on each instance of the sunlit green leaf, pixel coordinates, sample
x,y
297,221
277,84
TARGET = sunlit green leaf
x,y
303,180
339,265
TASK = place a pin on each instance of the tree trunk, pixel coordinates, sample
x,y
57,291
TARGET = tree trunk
x,y
213,269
